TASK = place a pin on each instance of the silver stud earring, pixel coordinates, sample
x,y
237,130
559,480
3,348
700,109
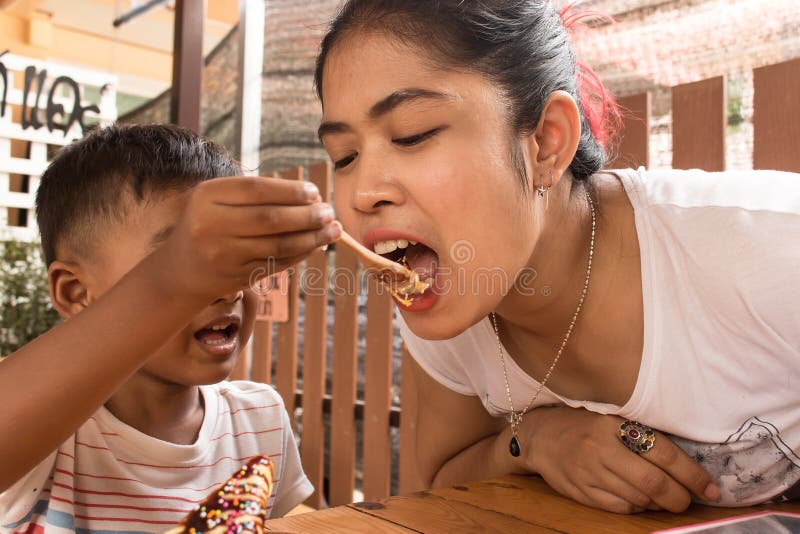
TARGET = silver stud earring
x,y
544,192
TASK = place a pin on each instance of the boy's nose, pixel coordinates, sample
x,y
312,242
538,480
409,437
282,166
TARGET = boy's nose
x,y
231,297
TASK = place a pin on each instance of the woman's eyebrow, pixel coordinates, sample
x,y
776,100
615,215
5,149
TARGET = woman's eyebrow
x,y
384,106
404,96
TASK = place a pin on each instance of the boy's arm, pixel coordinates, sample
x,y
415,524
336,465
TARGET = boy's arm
x,y
65,375
228,229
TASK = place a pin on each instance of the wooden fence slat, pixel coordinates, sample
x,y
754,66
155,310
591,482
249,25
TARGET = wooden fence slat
x,y
699,117
312,444
345,362
776,116
261,361
409,475
634,146
286,345
377,448
261,358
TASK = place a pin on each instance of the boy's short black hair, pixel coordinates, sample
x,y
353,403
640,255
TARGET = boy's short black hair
x,y
82,189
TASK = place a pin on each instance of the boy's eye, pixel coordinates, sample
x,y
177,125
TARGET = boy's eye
x,y
416,139
344,162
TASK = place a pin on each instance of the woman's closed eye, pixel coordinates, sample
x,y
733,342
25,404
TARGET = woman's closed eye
x,y
344,162
416,139
409,141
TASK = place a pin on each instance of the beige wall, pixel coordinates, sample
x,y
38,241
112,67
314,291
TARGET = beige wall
x,y
79,32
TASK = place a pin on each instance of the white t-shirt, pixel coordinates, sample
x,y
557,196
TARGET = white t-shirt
x,y
720,369
109,477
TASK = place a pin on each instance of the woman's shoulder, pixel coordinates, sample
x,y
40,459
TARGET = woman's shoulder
x,y
747,190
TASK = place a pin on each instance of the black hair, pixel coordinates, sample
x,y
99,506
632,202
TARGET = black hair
x,y
521,45
84,185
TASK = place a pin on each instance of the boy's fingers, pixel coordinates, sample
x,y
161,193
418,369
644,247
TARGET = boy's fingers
x,y
282,247
680,466
258,190
254,221
261,269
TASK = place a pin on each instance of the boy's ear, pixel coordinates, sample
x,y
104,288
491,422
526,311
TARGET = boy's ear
x,y
68,292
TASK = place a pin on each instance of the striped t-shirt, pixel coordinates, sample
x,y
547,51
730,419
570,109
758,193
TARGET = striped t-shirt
x,y
109,477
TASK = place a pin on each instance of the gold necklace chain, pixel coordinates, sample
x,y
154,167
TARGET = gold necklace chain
x,y
515,418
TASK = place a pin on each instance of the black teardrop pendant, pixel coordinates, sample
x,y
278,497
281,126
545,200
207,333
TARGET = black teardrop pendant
x,y
513,447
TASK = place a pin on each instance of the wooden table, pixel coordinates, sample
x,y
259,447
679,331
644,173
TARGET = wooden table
x,y
511,504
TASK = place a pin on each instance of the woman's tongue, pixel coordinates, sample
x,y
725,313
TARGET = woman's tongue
x,y
424,261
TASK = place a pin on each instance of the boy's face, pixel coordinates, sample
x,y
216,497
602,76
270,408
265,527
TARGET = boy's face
x,y
205,351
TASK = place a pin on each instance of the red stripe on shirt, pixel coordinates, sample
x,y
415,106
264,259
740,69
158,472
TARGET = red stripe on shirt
x,y
87,475
124,519
120,494
187,466
138,508
54,498
232,412
245,433
98,447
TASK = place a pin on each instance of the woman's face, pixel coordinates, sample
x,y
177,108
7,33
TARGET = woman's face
x,y
424,154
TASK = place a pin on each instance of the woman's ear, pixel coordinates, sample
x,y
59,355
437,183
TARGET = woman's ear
x,y
68,292
555,141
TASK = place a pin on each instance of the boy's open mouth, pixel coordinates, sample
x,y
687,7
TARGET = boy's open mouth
x,y
219,333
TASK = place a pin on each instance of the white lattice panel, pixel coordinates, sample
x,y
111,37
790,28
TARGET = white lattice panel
x,y
37,139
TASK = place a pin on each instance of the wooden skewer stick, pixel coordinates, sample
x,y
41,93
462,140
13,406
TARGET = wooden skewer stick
x,y
402,281
375,263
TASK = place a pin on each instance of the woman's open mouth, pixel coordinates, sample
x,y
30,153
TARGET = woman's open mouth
x,y
419,258
220,337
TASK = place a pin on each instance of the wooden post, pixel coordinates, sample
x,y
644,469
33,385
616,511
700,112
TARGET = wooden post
x,y
409,474
312,442
377,457
286,344
634,146
187,63
346,285
249,94
776,116
699,117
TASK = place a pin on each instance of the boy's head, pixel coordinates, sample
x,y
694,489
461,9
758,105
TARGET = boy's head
x,y
105,203
90,187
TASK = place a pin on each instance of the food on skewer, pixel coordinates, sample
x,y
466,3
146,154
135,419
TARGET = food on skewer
x,y
236,507
403,283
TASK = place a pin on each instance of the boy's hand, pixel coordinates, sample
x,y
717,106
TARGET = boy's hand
x,y
233,227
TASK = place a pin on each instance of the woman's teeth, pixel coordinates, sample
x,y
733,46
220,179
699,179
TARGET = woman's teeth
x,y
385,247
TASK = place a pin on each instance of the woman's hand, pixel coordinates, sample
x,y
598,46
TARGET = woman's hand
x,y
580,455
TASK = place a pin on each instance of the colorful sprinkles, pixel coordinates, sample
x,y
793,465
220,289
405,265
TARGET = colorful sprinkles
x,y
239,506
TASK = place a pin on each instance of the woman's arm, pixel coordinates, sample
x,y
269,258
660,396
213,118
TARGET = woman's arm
x,y
577,452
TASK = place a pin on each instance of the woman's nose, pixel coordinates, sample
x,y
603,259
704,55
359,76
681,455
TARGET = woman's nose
x,y
374,189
